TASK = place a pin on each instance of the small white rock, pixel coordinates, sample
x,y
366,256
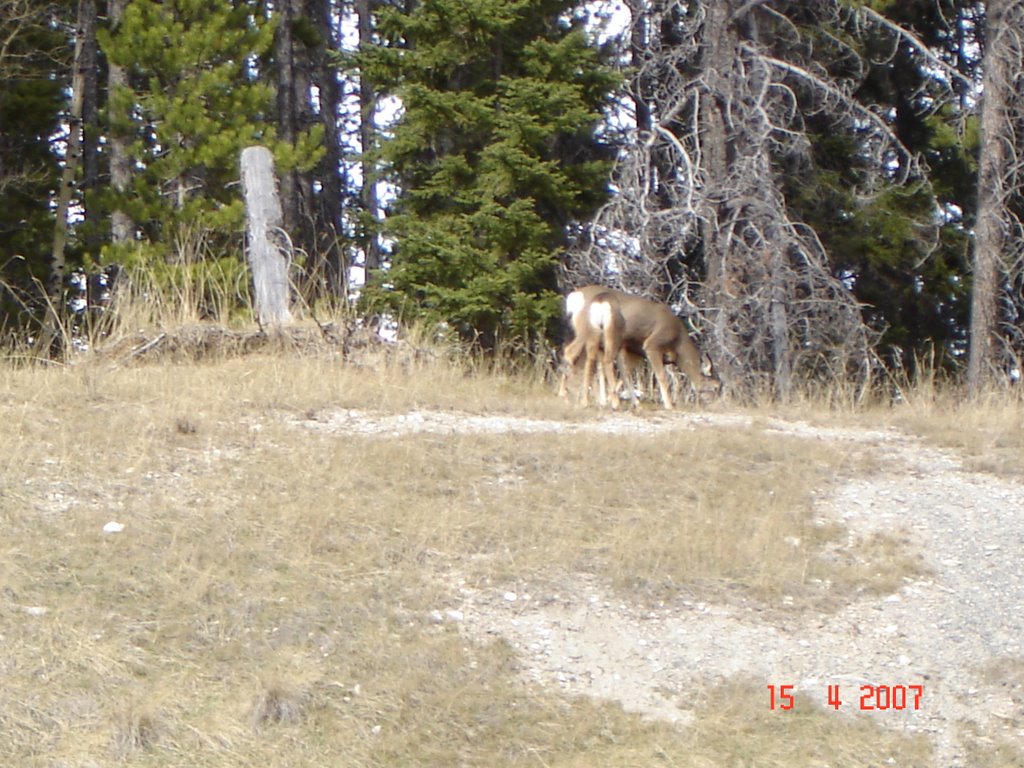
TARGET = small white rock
x,y
511,596
34,610
113,527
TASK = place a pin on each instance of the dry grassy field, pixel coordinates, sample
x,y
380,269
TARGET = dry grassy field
x,y
271,599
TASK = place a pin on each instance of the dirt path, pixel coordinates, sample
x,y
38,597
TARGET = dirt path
x,y
957,633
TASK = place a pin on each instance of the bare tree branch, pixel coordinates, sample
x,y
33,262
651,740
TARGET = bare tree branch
x,y
950,72
700,218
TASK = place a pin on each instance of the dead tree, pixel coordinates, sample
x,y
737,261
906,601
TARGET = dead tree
x,y
723,90
72,153
998,261
268,244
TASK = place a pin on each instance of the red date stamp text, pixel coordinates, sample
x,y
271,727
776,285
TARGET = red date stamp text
x,y
870,698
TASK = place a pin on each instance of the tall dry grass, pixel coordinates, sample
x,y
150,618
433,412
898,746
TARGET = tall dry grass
x,y
988,432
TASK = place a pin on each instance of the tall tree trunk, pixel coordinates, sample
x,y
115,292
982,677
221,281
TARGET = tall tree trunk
x,y
308,218
639,44
720,45
778,327
296,52
90,124
287,109
330,209
51,330
122,228
997,173
72,156
368,139
267,259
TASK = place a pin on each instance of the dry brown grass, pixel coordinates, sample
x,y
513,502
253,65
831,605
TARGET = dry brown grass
x,y
737,729
988,432
992,752
268,601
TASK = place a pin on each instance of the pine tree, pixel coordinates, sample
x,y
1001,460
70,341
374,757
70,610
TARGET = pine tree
x,y
905,270
195,101
494,155
309,93
34,72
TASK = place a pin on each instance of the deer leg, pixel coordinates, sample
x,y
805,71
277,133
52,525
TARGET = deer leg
x,y
627,365
654,357
570,357
589,367
609,374
588,378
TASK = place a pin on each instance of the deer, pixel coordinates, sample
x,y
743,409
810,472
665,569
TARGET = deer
x,y
599,327
649,330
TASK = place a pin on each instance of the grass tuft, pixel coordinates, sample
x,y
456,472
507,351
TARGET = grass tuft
x,y
137,728
279,701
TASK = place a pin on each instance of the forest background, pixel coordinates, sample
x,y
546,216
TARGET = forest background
x,y
825,190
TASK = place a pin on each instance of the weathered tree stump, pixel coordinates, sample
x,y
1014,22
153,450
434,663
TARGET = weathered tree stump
x,y
269,246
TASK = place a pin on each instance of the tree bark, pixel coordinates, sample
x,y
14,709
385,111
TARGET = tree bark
x,y
72,157
778,322
267,257
368,140
997,171
90,124
331,207
720,44
287,109
122,228
639,45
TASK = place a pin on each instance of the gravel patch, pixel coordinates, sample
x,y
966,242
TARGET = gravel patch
x,y
941,635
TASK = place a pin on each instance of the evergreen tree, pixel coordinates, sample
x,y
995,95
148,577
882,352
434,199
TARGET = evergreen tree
x,y
195,101
309,93
494,155
904,269
34,72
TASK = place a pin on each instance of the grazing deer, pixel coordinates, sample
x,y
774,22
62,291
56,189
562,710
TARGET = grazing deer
x,y
649,329
599,327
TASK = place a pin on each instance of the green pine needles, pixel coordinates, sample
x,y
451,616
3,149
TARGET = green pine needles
x,y
195,100
494,154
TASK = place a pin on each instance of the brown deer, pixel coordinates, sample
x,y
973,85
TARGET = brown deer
x,y
599,326
649,329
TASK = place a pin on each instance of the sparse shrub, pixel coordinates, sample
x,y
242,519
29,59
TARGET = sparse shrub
x,y
278,701
136,728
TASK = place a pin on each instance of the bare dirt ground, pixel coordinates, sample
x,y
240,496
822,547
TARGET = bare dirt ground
x,y
956,633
